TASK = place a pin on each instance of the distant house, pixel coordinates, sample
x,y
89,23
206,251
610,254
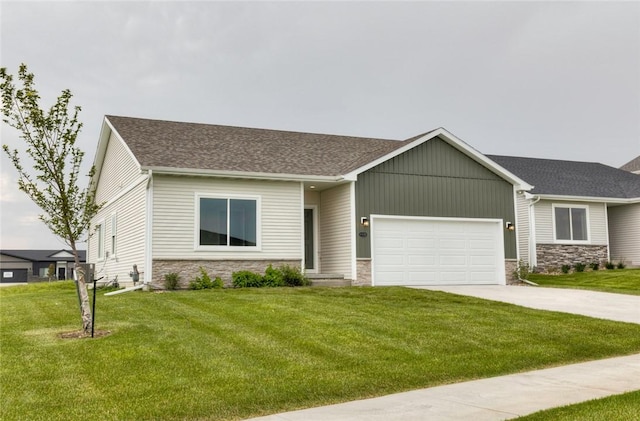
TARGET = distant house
x,y
632,166
578,212
28,265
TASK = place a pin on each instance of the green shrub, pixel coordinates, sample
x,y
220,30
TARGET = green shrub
x,y
247,279
621,265
201,282
293,277
609,265
594,266
218,283
272,277
579,267
522,270
171,280
566,268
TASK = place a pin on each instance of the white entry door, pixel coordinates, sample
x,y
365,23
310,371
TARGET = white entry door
x,y
436,251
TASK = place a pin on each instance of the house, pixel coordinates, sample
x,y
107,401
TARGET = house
x,y
33,265
178,196
632,166
578,212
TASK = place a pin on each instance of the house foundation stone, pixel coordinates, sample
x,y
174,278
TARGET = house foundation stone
x,y
363,266
551,257
189,269
510,266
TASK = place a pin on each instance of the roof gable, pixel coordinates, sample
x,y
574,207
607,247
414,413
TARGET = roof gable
x,y
573,178
632,166
45,255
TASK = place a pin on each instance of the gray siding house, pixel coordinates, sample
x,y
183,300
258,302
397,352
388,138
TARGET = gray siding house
x,y
179,196
33,265
578,212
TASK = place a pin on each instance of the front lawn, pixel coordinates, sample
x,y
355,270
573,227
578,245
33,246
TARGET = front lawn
x,y
617,407
232,354
623,281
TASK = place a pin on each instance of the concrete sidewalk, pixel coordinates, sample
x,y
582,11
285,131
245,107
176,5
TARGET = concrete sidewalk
x,y
497,398
601,305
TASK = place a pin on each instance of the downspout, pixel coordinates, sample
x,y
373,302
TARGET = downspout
x,y
533,259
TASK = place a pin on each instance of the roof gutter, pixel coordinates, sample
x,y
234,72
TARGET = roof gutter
x,y
615,200
244,174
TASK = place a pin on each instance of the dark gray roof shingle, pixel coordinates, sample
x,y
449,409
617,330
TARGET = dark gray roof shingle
x,y
572,178
170,144
42,255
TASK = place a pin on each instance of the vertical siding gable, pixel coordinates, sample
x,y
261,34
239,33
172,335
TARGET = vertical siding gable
x,y
434,179
437,158
119,170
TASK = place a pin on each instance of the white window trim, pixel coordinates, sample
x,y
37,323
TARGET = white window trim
x,y
100,228
570,206
113,247
229,248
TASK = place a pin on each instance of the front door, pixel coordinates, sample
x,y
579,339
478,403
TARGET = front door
x,y
309,240
62,270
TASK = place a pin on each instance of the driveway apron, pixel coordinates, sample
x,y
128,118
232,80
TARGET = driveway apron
x,y
601,305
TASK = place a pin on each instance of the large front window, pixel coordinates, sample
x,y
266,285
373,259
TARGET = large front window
x,y
571,223
228,222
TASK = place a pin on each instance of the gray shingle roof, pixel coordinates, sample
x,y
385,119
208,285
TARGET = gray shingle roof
x,y
170,144
633,165
572,178
43,255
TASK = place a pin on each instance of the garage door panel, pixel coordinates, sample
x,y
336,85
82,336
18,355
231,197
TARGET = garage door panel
x,y
432,251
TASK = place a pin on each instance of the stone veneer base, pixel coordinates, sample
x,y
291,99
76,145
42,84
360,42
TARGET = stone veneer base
x,y
551,257
189,269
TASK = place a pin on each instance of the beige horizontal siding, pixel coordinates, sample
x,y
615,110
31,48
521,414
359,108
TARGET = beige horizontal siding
x,y
335,231
130,236
174,211
624,233
544,221
119,170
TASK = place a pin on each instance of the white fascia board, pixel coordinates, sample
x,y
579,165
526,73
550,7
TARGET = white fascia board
x,y
456,143
103,143
243,174
587,198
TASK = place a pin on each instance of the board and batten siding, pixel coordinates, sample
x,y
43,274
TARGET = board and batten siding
x,y
335,231
174,212
544,221
119,170
130,230
434,179
624,233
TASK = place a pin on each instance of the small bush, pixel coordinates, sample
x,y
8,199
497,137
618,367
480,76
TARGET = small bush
x,y
566,268
609,265
273,277
201,282
247,279
522,270
579,267
594,266
171,281
293,277
218,283
621,265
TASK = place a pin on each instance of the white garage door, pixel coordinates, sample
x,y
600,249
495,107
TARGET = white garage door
x,y
436,251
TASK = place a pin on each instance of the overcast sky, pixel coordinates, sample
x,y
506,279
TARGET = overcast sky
x,y
549,80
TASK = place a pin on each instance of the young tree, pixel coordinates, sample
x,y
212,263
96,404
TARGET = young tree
x,y
52,182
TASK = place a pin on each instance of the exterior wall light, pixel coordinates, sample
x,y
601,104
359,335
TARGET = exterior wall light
x,y
364,221
510,226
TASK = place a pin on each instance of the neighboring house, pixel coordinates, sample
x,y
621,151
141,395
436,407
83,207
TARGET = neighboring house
x,y
578,212
29,265
632,166
179,196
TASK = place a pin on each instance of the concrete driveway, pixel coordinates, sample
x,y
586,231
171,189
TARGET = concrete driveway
x,y
601,305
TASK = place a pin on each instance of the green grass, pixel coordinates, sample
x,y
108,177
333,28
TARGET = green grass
x,y
622,281
231,354
618,407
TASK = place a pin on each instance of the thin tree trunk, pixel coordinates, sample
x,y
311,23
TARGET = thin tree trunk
x,y
83,294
